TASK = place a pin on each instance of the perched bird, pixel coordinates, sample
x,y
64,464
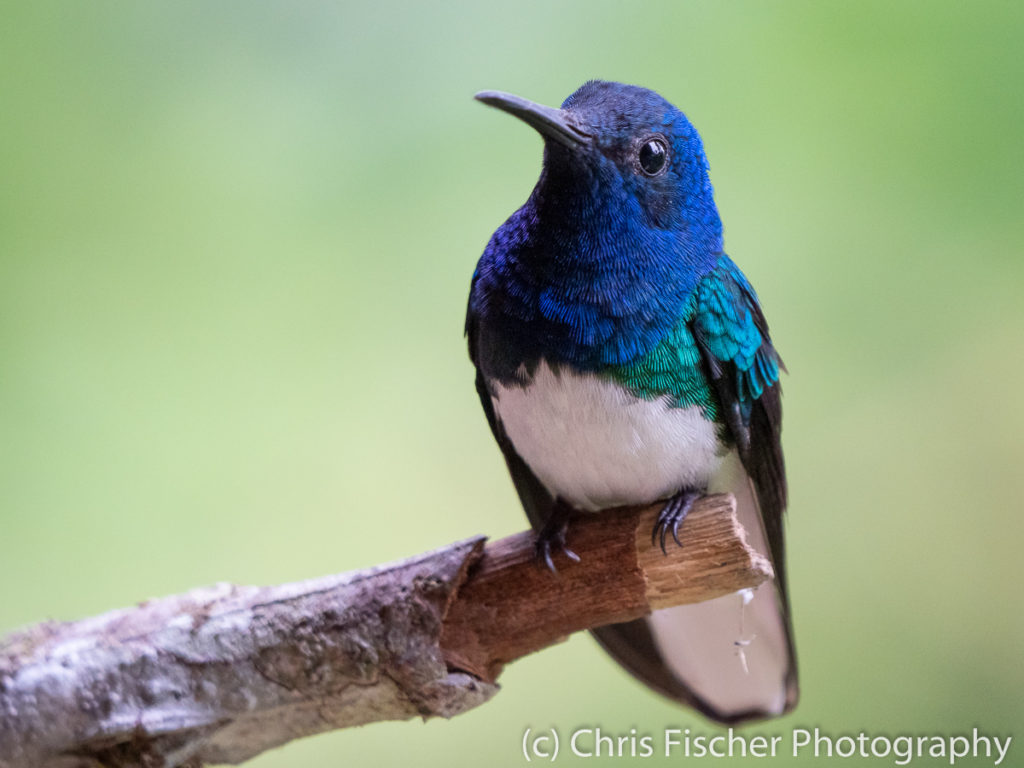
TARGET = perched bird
x,y
622,358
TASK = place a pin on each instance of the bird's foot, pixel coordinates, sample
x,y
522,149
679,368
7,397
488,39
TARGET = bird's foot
x,y
672,515
552,536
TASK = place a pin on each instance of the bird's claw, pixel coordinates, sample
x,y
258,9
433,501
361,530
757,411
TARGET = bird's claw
x,y
671,517
552,536
545,546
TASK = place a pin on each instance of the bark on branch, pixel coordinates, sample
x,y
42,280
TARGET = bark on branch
x,y
220,674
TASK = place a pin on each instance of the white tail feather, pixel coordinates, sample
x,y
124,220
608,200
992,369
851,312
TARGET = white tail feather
x,y
731,651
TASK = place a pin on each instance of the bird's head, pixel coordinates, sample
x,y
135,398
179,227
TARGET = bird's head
x,y
620,157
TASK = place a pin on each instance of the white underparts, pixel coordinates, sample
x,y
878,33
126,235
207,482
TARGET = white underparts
x,y
596,445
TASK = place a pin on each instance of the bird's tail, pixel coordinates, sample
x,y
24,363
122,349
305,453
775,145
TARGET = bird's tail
x,y
731,658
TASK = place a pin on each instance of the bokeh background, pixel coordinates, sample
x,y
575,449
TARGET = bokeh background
x,y
235,246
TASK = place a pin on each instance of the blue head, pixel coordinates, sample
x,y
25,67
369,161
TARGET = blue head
x,y
599,263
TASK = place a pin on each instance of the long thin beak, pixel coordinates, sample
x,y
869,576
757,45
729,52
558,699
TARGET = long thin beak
x,y
555,124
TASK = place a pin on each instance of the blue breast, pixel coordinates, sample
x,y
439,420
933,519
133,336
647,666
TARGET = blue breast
x,y
593,297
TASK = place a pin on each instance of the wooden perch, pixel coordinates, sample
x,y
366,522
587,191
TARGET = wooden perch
x,y
220,674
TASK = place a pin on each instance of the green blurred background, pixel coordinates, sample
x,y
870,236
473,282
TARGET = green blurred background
x,y
235,246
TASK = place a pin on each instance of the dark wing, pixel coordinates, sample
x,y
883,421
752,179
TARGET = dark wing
x,y
732,334
537,502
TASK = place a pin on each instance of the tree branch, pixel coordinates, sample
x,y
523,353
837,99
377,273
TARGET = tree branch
x,y
220,674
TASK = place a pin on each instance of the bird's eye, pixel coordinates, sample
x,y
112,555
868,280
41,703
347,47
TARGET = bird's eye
x,y
653,155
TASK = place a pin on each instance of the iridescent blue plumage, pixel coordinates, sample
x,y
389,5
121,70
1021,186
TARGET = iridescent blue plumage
x,y
719,312
645,246
622,358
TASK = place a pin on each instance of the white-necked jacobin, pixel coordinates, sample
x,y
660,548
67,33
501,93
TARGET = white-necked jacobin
x,y
622,358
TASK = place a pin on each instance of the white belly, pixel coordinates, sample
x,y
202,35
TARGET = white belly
x,y
597,446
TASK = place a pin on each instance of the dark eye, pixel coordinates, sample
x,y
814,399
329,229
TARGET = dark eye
x,y
653,155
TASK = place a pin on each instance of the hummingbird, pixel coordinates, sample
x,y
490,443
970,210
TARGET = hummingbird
x,y
622,358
